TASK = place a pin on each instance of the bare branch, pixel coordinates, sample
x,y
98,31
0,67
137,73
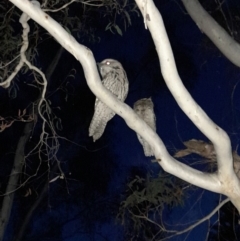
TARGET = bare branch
x,y
24,18
225,181
91,3
228,182
219,36
84,55
200,221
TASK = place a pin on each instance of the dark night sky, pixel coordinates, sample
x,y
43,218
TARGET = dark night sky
x,y
98,172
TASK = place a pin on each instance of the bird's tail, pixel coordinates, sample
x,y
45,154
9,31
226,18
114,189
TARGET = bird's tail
x,y
99,121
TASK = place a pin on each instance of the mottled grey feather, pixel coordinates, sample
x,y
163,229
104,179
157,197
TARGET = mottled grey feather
x,y
144,109
114,79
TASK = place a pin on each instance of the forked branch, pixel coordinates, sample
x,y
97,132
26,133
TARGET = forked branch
x,y
225,181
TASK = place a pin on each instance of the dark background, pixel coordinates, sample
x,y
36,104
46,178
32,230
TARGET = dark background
x,y
84,205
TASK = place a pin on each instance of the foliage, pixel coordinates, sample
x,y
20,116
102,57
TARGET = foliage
x,y
77,17
206,150
80,19
10,40
141,212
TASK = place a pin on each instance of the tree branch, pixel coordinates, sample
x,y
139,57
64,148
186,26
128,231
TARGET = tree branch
x,y
191,227
226,178
219,36
85,56
219,138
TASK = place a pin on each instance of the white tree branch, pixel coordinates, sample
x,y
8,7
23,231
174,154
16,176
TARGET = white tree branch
x,y
219,36
219,138
185,101
23,20
226,176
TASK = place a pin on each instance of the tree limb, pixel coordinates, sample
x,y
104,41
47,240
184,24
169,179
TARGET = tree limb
x,y
191,227
219,36
227,183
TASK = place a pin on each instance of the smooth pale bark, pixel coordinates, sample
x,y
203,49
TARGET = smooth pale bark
x,y
219,36
225,181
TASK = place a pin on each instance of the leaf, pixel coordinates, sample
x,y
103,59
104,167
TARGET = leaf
x,y
119,31
67,29
12,92
59,124
128,17
108,26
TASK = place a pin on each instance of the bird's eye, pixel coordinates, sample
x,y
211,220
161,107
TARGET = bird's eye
x,y
108,63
